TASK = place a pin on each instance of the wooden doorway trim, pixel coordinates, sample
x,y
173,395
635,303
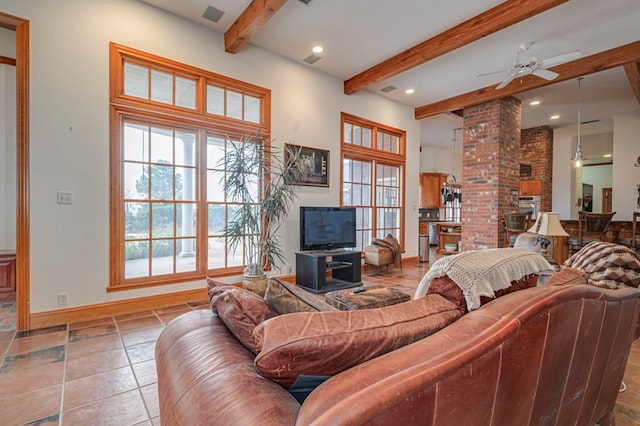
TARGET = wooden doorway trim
x,y
21,27
607,200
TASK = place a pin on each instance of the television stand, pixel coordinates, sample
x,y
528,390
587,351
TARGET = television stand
x,y
312,267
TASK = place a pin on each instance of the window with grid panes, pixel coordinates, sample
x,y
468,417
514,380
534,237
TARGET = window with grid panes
x,y
171,126
373,177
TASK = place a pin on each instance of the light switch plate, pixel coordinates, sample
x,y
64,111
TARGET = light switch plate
x,y
65,197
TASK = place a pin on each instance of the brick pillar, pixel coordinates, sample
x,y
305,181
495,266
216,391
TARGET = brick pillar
x,y
490,170
537,151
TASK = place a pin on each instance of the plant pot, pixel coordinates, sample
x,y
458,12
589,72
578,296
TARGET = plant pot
x,y
255,283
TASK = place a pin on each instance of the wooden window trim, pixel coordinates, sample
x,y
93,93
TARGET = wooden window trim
x,y
376,157
124,107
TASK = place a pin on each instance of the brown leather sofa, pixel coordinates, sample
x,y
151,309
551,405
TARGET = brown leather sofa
x,y
554,354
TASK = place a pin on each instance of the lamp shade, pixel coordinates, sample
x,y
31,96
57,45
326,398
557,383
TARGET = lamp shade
x,y
548,224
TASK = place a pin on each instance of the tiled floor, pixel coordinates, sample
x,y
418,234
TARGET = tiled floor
x,y
102,372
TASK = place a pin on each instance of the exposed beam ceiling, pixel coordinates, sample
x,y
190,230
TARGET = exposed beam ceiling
x,y
249,22
495,19
633,74
616,57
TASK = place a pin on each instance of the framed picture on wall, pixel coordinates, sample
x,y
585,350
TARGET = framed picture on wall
x,y
317,162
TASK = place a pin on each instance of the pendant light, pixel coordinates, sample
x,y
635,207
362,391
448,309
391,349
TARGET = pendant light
x,y
578,158
452,178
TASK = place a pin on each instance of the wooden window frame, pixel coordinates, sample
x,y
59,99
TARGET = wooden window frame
x,y
376,157
126,107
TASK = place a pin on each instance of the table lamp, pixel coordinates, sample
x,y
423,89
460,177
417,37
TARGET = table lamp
x,y
548,225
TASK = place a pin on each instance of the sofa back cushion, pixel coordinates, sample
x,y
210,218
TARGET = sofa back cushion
x,y
326,343
240,310
287,298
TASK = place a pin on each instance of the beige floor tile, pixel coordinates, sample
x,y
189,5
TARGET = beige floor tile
x,y
98,344
141,352
91,332
28,407
140,336
6,335
150,396
96,363
123,409
138,323
32,378
90,389
23,361
145,372
42,341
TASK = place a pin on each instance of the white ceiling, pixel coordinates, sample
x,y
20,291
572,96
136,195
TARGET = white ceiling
x,y
358,34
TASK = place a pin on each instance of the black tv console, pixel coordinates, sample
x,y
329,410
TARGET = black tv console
x,y
312,267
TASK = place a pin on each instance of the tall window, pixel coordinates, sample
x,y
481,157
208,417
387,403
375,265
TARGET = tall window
x,y
171,125
373,163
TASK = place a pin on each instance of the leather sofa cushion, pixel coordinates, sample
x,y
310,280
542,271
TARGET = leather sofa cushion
x,y
240,310
609,265
568,275
286,298
326,343
447,288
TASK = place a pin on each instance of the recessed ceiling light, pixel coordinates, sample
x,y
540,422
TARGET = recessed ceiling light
x,y
534,103
409,91
607,156
317,49
554,117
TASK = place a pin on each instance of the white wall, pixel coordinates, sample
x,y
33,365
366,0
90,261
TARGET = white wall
x,y
7,142
567,181
70,130
7,156
626,177
600,177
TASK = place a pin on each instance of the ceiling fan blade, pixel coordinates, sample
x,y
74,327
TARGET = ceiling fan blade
x,y
556,60
546,74
506,81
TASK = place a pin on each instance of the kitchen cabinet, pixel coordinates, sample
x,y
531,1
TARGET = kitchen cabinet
x,y
530,187
430,190
448,233
423,228
7,271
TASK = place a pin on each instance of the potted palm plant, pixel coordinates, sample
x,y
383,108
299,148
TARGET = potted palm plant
x,y
263,186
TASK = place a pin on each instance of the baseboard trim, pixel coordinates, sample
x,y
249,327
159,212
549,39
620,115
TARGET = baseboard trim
x,y
101,310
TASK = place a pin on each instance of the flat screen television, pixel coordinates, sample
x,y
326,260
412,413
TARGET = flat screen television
x,y
327,228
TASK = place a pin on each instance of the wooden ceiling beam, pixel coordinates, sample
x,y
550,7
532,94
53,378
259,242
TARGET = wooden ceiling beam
x,y
612,58
249,22
633,74
495,19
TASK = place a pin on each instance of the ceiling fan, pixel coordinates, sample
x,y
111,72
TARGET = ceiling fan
x,y
526,64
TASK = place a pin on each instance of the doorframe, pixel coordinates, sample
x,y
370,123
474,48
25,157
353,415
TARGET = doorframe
x,y
21,27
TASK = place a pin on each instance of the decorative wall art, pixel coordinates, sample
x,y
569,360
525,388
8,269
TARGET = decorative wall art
x,y
317,162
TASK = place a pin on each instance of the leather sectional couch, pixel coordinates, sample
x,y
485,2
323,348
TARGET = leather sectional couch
x,y
553,354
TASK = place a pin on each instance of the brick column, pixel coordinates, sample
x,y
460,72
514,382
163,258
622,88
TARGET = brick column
x,y
537,151
490,170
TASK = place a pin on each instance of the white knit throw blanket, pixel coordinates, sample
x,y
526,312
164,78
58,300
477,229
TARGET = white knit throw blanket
x,y
482,272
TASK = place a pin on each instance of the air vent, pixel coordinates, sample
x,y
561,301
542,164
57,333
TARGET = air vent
x,y
590,121
312,59
213,14
388,89
305,1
